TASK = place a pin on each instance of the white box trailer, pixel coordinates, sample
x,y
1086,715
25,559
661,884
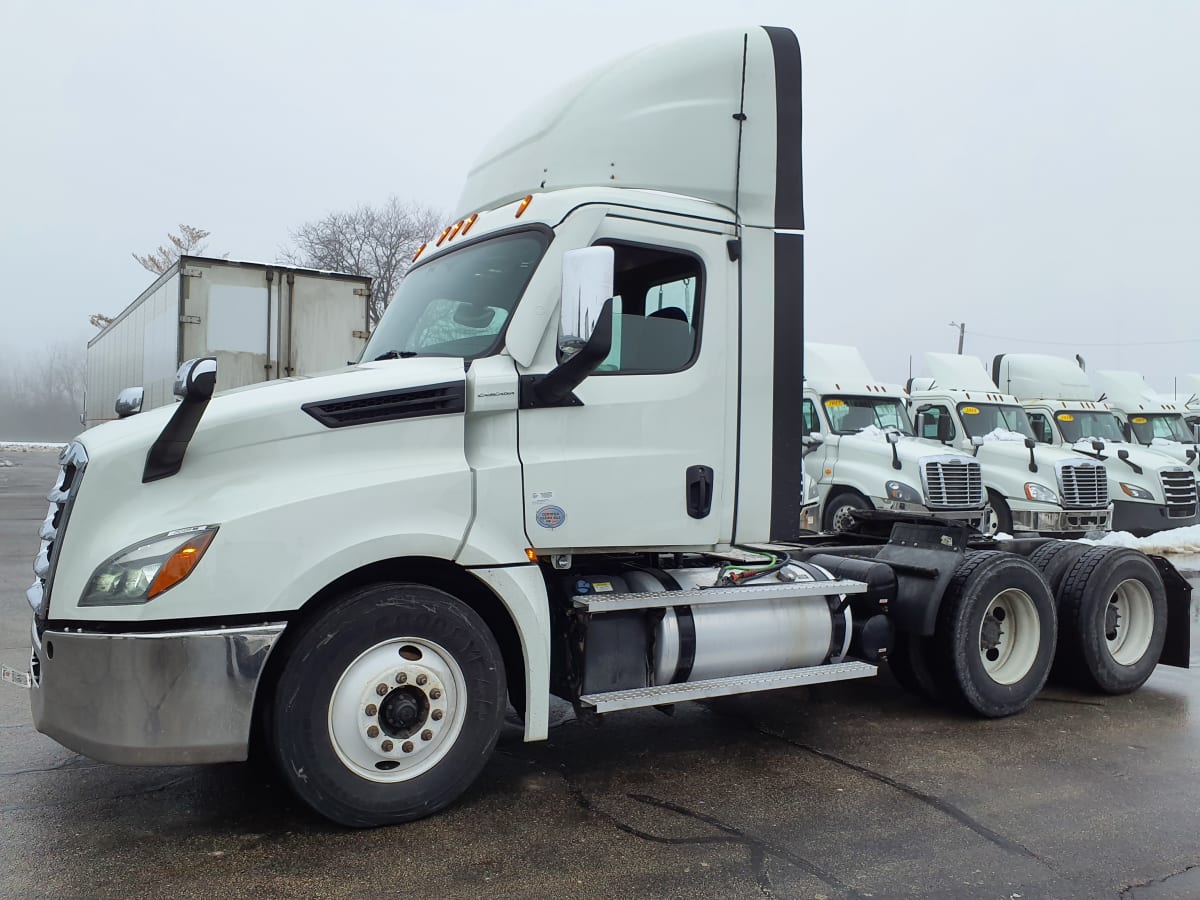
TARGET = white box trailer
x,y
261,321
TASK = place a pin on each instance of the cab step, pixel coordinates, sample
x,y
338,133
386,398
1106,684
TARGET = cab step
x,y
663,694
600,603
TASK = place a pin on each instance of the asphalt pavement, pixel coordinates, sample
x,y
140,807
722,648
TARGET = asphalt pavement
x,y
846,790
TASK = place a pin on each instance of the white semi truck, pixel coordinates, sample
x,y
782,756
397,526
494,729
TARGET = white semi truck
x,y
1150,490
260,321
1032,489
1147,418
356,572
861,451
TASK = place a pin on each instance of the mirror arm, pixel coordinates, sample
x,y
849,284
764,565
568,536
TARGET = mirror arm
x,y
556,387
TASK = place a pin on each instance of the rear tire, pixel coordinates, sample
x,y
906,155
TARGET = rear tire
x,y
1055,559
911,664
995,634
388,705
1113,620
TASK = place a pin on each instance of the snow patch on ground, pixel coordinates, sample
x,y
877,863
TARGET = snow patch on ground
x,y
1180,545
27,446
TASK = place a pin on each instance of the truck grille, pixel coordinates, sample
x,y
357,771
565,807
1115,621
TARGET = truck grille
x,y
1083,485
61,497
1179,486
952,483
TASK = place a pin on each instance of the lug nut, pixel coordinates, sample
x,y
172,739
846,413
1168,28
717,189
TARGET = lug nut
x,y
435,694
421,679
407,746
401,678
373,731
427,735
372,709
386,746
381,689
436,715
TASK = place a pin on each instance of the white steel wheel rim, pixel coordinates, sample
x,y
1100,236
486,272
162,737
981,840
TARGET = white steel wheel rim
x,y
1009,636
842,517
991,525
1129,622
377,690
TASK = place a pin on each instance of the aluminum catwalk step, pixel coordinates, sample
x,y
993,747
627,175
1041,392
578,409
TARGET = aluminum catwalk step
x,y
723,687
598,603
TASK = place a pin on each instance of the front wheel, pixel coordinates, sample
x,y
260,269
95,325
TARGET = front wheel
x,y
839,511
388,705
999,517
995,633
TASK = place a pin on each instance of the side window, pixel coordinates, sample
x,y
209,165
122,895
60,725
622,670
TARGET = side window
x,y
656,310
935,419
1041,428
809,411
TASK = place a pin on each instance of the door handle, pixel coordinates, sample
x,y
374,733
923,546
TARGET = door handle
x,y
699,491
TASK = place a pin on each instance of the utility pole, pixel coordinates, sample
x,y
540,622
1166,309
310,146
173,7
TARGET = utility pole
x,y
962,330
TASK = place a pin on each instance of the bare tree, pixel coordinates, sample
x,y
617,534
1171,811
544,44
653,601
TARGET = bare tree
x,y
375,241
189,240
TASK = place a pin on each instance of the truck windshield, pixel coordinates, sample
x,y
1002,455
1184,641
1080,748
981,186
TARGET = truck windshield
x,y
458,304
981,419
1078,425
1168,426
850,415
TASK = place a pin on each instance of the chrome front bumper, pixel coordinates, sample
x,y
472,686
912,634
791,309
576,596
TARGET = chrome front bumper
x,y
1063,521
158,699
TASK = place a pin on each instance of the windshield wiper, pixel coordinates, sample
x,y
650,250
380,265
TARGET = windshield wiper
x,y
396,354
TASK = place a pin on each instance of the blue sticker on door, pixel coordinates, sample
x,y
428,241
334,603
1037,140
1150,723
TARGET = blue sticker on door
x,y
550,516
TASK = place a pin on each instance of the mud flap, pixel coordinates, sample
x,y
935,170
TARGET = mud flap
x,y
1177,649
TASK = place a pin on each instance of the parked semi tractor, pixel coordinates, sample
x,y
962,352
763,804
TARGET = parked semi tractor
x,y
261,322
1147,418
862,453
1150,490
1031,488
537,483
1189,394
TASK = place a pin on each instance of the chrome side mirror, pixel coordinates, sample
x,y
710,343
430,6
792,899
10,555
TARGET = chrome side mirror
x,y
196,379
129,402
587,283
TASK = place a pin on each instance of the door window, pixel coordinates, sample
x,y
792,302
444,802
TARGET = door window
x,y
809,411
1042,429
656,311
932,418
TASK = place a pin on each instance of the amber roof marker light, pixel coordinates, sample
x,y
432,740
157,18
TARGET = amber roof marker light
x,y
523,205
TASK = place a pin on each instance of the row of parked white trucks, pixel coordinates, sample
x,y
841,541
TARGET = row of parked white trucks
x,y
1068,456
570,463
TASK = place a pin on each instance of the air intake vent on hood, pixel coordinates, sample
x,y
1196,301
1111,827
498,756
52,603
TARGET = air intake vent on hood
x,y
410,403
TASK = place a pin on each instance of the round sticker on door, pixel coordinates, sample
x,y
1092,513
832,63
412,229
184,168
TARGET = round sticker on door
x,y
550,516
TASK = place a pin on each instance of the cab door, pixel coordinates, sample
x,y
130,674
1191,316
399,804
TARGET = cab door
x,y
646,459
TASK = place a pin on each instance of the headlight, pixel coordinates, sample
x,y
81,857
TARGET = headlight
x,y
1136,492
140,573
898,490
1040,492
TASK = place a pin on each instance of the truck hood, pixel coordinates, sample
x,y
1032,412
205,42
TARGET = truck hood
x,y
271,410
1150,460
910,450
1176,450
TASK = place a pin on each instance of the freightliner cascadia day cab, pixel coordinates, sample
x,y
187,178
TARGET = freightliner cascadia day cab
x,y
1189,394
259,321
1032,489
862,453
1150,490
1148,419
569,464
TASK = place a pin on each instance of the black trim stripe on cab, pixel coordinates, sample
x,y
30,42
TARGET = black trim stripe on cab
x,y
789,182
198,623
787,428
387,406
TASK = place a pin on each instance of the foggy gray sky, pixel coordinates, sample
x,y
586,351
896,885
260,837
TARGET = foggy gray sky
x,y
1030,168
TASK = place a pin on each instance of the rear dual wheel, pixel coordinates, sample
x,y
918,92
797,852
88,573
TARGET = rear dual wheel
x,y
1113,619
994,641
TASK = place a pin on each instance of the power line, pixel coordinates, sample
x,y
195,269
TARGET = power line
x,y
1000,337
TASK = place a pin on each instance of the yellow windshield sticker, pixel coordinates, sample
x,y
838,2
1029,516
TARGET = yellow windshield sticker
x,y
1065,417
970,411
1138,420
835,402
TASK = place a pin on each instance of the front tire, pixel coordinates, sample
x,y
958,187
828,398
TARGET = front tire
x,y
1113,610
995,633
999,520
839,511
388,706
